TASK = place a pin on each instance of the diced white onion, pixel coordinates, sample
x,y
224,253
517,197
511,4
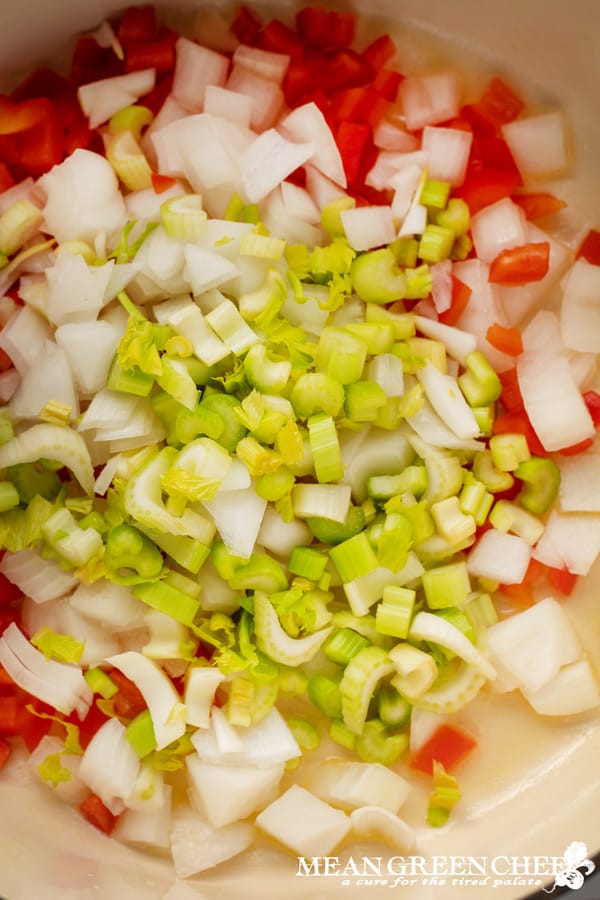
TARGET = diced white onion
x,y
110,765
500,557
573,690
226,794
269,160
538,144
368,226
429,99
197,846
571,540
305,824
101,99
448,150
497,227
196,67
580,309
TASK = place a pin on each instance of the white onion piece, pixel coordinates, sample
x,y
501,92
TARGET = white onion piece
x,y
415,220
368,226
377,452
145,204
230,105
98,642
441,290
110,604
205,270
388,165
24,337
197,846
238,516
571,540
269,160
387,371
573,690
266,95
307,124
195,68
392,136
101,99
404,183
448,150
499,557
349,785
147,827
90,348
280,537
201,682
430,99
579,489
551,397
166,709
227,794
305,824
458,343
263,744
169,112
497,227
265,63
482,310
76,290
289,226
431,429
217,596
423,723
48,379
298,203
38,578
448,401
538,144
534,644
373,822
580,309
83,198
141,423
108,409
322,189
148,792
62,685
110,765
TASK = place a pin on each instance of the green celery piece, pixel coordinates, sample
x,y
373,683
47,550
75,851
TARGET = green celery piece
x,y
53,771
434,194
377,278
9,496
375,744
541,481
314,393
140,734
130,557
305,733
324,693
456,217
340,354
446,586
436,243
225,406
479,382
259,573
189,424
364,400
168,600
129,381
61,647
394,709
329,532
342,735
343,644
32,478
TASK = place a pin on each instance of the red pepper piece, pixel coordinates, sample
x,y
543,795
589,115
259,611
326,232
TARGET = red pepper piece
x,y
479,189
246,25
162,183
9,715
279,38
561,579
43,82
488,152
380,51
353,140
5,751
592,401
312,23
6,179
158,54
91,62
345,68
138,24
539,204
298,81
523,594
386,83
590,249
342,24
521,265
97,814
461,294
575,449
507,340
498,105
510,397
128,702
447,745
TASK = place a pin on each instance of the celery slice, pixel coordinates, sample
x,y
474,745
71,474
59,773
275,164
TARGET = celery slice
x,y
358,683
273,640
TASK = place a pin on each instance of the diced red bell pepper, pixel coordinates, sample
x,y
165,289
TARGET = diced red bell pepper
x,y
481,188
280,38
6,179
353,140
97,814
162,183
42,82
138,24
93,721
521,265
380,51
447,745
91,62
9,592
507,340
342,24
523,594
510,397
489,152
128,702
539,204
592,401
359,104
576,449
312,23
498,105
590,249
298,80
561,579
345,68
460,297
9,715
518,421
158,54
5,751
246,25
386,83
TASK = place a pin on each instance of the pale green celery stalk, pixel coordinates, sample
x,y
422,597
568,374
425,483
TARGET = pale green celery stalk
x,y
128,160
325,694
376,277
265,301
436,243
198,470
307,562
451,522
46,441
239,701
9,496
434,194
191,323
376,745
233,330
419,282
184,218
259,573
393,709
364,400
131,118
456,217
475,500
343,644
130,557
340,354
541,481
273,640
447,585
258,459
264,371
415,669
177,381
168,409
101,683
354,557
412,480
360,678
444,797
275,485
462,247
394,614
402,323
479,383
418,515
305,734
329,531
325,448
510,517
444,476
225,405
262,246
508,451
342,735
330,215
378,336
484,416
168,600
6,427
484,471
61,647
481,610
140,734
73,543
17,225
395,542
189,424
129,381
315,392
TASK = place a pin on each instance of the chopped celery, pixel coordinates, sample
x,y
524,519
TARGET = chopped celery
x,y
508,450
435,194
130,557
307,562
225,406
330,532
341,355
510,517
444,797
364,400
456,217
451,522
358,683
376,277
266,372
343,644
305,733
479,382
325,448
325,694
315,392
394,710
394,613
140,734
101,683
378,336
168,600
412,479
330,215
541,481
353,557
376,745
492,479
475,500
272,486
342,735
447,585
9,496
